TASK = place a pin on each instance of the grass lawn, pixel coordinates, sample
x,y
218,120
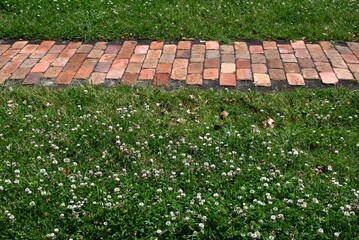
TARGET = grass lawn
x,y
121,163
170,20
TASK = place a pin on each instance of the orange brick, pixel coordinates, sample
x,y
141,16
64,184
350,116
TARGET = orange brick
x,y
164,68
65,78
244,74
41,67
194,79
156,45
97,78
30,48
52,72
184,45
343,74
256,49
212,45
310,73
276,74
147,74
129,79
115,73
259,68
161,79
262,80
20,73
227,79
328,77
195,68
19,44
295,79
228,68
179,73
141,49
211,74
133,68
180,63
267,45
211,63
298,44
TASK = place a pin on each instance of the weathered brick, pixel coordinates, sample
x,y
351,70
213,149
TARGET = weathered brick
x,y
285,48
198,49
95,54
256,49
19,44
170,49
180,63
30,48
137,58
291,67
343,49
147,74
20,57
183,54
323,67
52,72
113,49
227,49
272,54
167,58
328,77
100,46
262,80
243,64
29,63
194,68
228,68
156,45
211,63
129,79
289,58
161,79
212,54
298,44
154,54
354,68
326,45
258,58
141,49
306,63
134,68
184,45
227,79
343,74
212,45
20,73
276,74
267,45
107,58
32,78
350,58
338,62
197,58
85,48
194,79
211,74
164,68
150,63
295,79
244,74
179,73
57,49
310,73
275,63
259,68
65,78
302,53
97,78
41,67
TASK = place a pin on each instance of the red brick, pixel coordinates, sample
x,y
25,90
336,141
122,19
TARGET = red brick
x,y
211,63
183,54
30,48
323,67
243,64
86,69
74,45
4,60
197,58
344,74
107,58
3,48
170,48
310,73
154,54
137,58
180,63
317,53
354,68
60,62
228,68
78,57
10,53
227,79
167,58
20,73
349,58
29,63
147,74
32,78
227,49
125,52
332,53
50,57
272,54
297,44
269,45
57,49
100,46
276,74
286,58
85,48
306,63
338,63
150,63
19,44
179,73
97,78
242,51
156,45
164,68
119,64
212,45
129,79
52,72
20,57
328,77
198,49
354,46
65,78
285,48
10,67
343,49
161,79
45,46
102,67
295,79
3,77
325,45
258,58
95,54
291,67
184,45
262,80
195,68
259,68
256,49
302,53
212,54
115,73
244,74
275,63
72,67
356,76
211,74
113,49
41,67
141,49
133,68
194,79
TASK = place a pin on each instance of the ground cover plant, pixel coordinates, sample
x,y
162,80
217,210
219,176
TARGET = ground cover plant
x,y
121,163
170,20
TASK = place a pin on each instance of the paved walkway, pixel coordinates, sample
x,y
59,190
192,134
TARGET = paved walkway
x,y
261,64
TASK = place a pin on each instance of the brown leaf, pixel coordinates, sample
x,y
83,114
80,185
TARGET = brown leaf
x,y
271,122
223,114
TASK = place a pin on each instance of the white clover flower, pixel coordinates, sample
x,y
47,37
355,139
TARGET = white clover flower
x,y
168,223
320,230
159,231
141,204
32,203
201,225
336,234
273,217
1,188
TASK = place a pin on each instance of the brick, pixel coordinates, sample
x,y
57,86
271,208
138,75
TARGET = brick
x,y
180,63
60,62
20,57
167,58
262,80
317,53
32,78
74,45
325,45
338,63
183,54
295,79
256,49
100,46
141,49
356,76
343,49
343,74
228,68
227,49
41,67
161,79
244,74
291,67
310,73
197,58
4,60
125,52
212,54
179,73
19,44
211,63
198,49
195,68
227,79
86,69
354,68
137,58
119,64
272,54
65,78
3,77
134,68
85,48
302,53
328,77
3,48
107,58
72,67
170,49
57,49
258,58
52,72
350,58
78,57
212,45
95,54
194,79
115,73
289,58
150,63
275,63
156,45
354,46
323,67
97,78
211,74
285,48
306,63
298,44
164,68
243,64
129,79
276,74
30,48
154,54
67,53
332,53
147,74
184,45
268,45
20,73
259,68
10,67
113,49
10,53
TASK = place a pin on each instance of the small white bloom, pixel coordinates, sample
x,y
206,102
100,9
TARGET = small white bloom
x,y
201,225
320,230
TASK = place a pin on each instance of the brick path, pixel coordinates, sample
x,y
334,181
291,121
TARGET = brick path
x,y
263,64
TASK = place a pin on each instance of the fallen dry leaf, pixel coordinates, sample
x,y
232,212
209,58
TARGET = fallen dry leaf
x,y
223,114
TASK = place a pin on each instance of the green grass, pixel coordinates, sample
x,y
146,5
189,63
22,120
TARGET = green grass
x,y
121,163
171,20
